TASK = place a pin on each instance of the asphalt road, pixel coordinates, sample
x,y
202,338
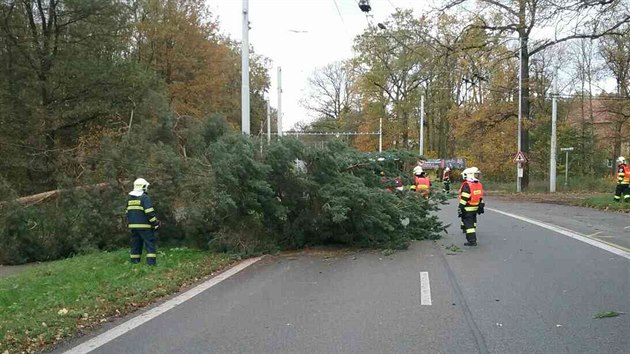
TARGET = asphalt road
x,y
524,289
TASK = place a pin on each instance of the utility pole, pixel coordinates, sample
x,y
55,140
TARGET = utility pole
x,y
519,168
421,140
279,101
553,148
268,122
245,71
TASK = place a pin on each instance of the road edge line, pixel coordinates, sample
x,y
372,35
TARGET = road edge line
x,y
144,317
606,246
425,289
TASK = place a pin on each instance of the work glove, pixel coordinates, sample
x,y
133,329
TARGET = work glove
x,y
460,212
480,209
157,225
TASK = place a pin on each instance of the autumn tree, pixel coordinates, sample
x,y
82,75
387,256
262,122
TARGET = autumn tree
x,y
571,20
76,72
391,67
57,58
179,39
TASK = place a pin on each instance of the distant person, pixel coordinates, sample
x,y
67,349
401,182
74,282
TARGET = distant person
x,y
422,182
470,204
142,222
417,170
446,179
623,180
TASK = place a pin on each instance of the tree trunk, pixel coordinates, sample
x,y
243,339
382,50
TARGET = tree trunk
x,y
405,132
525,106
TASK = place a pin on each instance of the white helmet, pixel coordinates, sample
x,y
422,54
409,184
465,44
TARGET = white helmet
x,y
140,184
621,159
417,170
471,174
447,169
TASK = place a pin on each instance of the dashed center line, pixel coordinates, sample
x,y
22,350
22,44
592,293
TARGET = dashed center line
x,y
425,289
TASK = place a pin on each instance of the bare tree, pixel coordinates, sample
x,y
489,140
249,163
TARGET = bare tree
x,y
616,53
587,71
330,91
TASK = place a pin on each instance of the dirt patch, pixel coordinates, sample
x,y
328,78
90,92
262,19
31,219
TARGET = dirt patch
x,y
561,198
321,251
7,270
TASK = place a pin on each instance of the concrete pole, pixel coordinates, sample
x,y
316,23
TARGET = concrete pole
x,y
279,101
553,147
245,71
519,166
268,122
421,140
380,135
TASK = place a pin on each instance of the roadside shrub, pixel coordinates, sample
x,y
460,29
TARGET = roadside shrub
x,y
75,222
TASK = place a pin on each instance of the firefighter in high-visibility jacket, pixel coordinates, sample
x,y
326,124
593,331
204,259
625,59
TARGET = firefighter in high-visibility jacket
x,y
470,204
142,222
623,180
422,182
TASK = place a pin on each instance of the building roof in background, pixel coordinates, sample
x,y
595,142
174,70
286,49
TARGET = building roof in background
x,y
601,115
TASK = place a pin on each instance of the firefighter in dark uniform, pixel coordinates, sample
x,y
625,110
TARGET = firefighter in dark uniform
x,y
142,222
446,179
623,180
470,204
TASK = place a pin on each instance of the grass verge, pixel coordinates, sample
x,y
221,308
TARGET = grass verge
x,y
600,201
44,305
575,185
605,202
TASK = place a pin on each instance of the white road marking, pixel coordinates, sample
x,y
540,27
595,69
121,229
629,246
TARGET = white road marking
x,y
618,250
627,227
125,327
425,289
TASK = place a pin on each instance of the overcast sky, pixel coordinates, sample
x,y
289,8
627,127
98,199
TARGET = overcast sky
x,y
302,35
328,37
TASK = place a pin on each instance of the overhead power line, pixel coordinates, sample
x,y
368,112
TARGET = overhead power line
x,y
340,16
393,6
329,133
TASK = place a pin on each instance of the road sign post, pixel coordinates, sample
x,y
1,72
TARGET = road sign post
x,y
566,164
520,159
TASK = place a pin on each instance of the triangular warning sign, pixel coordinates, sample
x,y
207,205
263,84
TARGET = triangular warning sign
x,y
520,157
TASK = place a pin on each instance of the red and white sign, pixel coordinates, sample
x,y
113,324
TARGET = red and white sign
x,y
520,157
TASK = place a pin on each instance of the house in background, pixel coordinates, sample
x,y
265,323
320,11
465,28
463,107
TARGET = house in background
x,y
607,125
